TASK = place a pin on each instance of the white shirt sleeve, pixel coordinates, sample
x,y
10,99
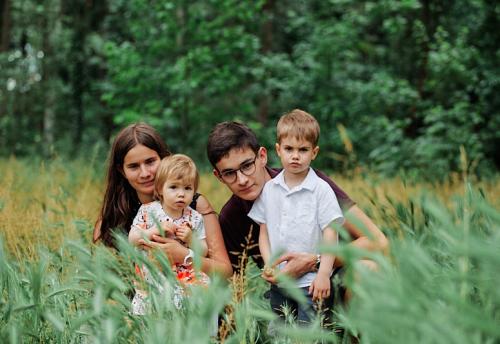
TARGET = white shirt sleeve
x,y
258,211
329,208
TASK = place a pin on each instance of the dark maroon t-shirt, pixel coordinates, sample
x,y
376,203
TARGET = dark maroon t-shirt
x,y
241,234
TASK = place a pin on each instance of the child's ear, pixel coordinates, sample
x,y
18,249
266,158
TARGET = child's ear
x,y
315,152
277,147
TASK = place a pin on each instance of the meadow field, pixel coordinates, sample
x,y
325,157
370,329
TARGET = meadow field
x,y
439,284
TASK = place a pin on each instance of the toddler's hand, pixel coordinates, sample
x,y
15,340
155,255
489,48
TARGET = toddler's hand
x,y
269,273
320,287
184,233
169,228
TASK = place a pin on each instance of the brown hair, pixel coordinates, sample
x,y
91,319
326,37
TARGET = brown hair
x,y
228,135
176,167
121,203
298,124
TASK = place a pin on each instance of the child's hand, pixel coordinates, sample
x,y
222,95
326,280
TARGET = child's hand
x,y
184,233
320,287
169,228
268,272
150,232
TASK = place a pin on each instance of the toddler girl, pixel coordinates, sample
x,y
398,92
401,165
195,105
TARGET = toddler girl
x,y
175,185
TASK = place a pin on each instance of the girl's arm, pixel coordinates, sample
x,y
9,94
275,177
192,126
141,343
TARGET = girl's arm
x,y
184,233
134,235
139,229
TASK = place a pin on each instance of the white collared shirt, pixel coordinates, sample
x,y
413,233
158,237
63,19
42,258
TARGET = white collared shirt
x,y
296,217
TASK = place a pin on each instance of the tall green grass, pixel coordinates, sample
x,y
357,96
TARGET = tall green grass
x,y
438,285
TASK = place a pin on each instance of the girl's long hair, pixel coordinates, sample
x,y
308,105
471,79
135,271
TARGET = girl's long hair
x,y
121,202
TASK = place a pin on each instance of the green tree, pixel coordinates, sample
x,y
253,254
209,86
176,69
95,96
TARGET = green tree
x,y
183,68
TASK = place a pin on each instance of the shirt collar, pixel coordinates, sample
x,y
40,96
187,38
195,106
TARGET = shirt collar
x,y
308,183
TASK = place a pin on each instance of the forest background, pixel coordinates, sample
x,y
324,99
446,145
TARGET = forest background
x,y
406,93
395,85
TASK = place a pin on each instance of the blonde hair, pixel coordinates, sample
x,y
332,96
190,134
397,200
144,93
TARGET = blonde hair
x,y
176,167
298,124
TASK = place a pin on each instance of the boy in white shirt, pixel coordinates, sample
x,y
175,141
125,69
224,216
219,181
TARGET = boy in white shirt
x,y
295,211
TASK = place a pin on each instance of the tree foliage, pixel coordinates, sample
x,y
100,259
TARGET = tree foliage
x,y
410,81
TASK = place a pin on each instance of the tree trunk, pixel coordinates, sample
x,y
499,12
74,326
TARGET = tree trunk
x,y
422,69
184,108
5,25
47,87
48,123
79,80
412,130
266,40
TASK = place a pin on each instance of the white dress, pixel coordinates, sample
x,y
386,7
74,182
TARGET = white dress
x,y
147,217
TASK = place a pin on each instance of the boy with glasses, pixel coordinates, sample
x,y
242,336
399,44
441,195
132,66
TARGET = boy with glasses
x,y
241,164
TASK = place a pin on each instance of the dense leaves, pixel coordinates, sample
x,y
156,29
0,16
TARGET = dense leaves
x,y
410,81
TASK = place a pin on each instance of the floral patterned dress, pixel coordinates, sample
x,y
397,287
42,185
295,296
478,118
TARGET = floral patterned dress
x,y
147,216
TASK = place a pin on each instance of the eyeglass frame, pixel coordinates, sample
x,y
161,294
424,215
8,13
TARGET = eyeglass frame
x,y
235,171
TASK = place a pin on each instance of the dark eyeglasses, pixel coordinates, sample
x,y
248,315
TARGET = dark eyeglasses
x,y
247,168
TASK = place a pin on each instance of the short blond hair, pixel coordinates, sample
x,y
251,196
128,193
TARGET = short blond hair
x,y
176,167
299,124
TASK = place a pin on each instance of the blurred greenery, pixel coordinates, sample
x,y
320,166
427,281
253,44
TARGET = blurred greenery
x,y
410,81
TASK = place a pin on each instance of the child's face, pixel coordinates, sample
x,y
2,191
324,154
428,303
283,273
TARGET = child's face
x,y
296,154
177,195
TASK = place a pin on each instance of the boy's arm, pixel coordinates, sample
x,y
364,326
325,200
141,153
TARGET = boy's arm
x,y
265,251
320,287
301,263
264,246
355,220
330,238
377,242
